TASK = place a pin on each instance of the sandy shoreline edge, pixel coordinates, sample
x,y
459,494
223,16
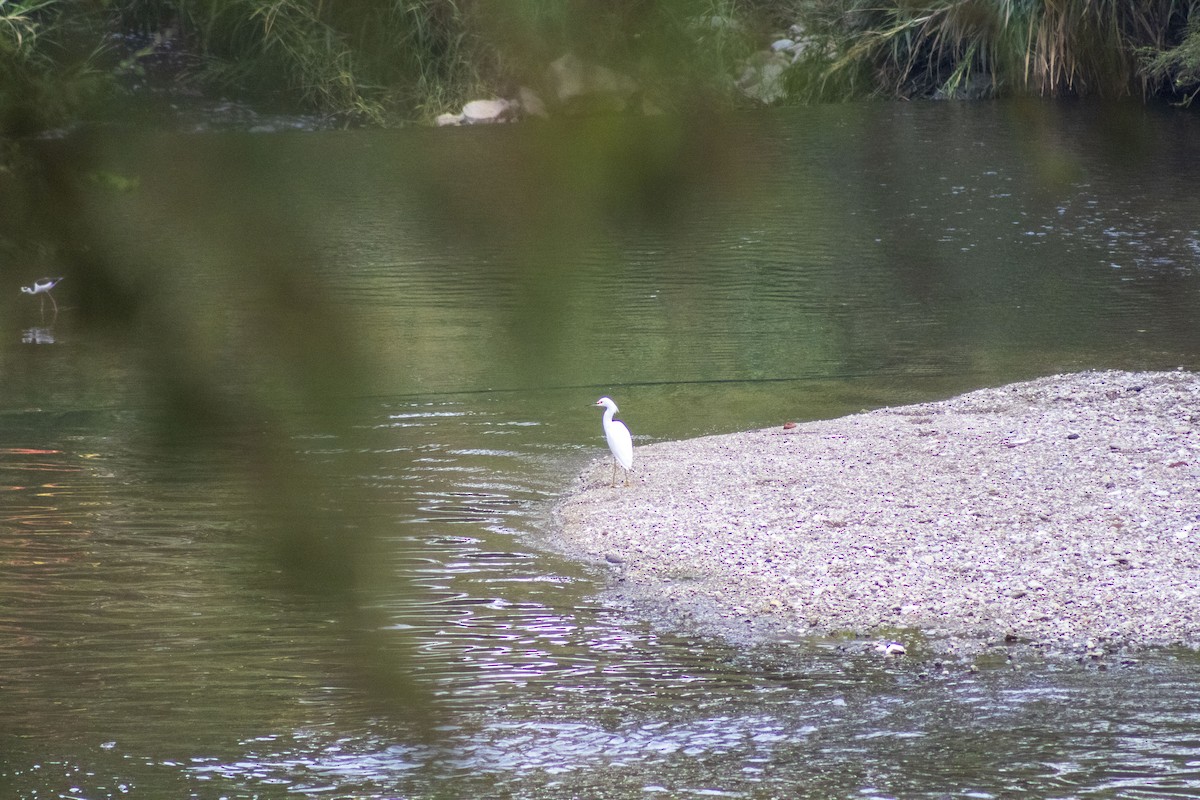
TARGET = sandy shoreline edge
x,y
1062,513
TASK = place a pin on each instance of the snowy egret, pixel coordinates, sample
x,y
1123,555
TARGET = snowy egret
x,y
43,286
619,440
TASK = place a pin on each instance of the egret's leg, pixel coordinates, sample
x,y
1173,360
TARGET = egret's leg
x,y
614,478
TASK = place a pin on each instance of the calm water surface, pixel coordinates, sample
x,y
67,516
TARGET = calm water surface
x,y
870,256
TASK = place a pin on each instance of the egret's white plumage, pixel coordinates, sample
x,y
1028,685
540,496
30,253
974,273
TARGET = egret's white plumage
x,y
620,442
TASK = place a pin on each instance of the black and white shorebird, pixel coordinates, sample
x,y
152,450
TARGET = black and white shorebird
x,y
43,286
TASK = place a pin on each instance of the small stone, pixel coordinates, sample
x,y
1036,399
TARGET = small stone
x,y
482,111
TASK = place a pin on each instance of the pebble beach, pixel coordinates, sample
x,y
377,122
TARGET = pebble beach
x,y
1061,514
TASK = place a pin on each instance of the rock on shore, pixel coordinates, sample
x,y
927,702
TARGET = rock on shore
x,y
1062,513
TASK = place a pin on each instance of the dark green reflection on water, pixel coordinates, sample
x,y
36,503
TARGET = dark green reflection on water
x,y
835,259
841,259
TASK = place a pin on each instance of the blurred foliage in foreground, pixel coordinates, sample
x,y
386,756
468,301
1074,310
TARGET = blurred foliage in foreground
x,y
390,61
190,229
204,270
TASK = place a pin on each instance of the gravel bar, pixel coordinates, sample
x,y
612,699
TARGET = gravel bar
x,y
1062,513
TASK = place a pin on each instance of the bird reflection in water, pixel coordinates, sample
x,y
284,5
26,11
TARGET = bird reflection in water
x,y
37,336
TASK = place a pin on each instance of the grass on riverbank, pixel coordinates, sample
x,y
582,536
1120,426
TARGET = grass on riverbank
x,y
970,48
390,61
365,62
411,59
48,73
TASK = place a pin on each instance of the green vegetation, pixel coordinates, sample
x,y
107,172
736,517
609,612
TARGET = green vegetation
x,y
363,62
392,61
973,48
1177,68
44,78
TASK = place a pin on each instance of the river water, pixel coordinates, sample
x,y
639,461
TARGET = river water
x,y
494,282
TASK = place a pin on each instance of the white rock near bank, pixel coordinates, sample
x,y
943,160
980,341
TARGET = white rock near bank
x,y
486,111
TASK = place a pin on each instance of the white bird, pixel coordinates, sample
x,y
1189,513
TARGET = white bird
x,y
619,440
43,286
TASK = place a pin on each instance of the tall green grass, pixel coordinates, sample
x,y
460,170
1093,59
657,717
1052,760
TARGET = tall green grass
x,y
376,60
370,61
365,60
384,61
48,72
1002,47
1176,69
379,60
